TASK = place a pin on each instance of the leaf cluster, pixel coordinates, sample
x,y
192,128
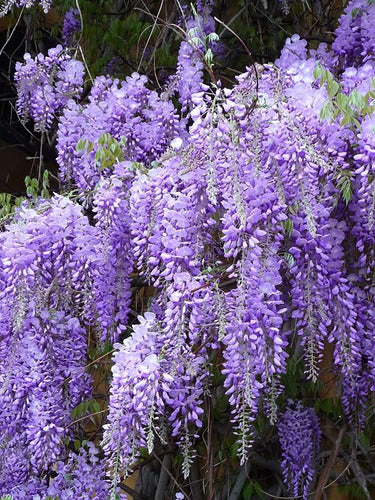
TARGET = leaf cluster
x,y
108,151
350,108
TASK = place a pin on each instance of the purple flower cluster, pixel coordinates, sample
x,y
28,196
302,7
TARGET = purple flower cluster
x,y
157,389
299,435
170,226
81,476
191,56
189,77
171,217
44,268
135,403
72,24
111,286
123,109
255,220
16,478
45,85
355,40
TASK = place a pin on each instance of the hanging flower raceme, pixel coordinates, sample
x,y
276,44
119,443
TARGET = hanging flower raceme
x,y
299,435
16,476
136,401
45,85
362,209
194,51
254,342
157,392
111,286
311,289
80,475
172,230
171,218
72,24
248,319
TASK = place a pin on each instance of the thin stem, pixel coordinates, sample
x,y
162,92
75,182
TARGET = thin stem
x,y
12,32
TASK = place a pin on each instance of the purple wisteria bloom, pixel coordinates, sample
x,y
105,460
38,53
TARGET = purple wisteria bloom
x,y
82,476
252,220
115,260
45,84
299,435
191,56
72,24
45,264
126,109
355,40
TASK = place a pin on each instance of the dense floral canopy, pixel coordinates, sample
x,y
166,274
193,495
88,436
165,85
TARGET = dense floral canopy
x,y
246,211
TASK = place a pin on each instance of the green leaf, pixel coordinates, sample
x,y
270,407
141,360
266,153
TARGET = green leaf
x,y
248,491
18,201
347,192
342,101
345,120
80,410
357,123
344,184
234,450
258,489
81,145
94,406
317,71
288,226
327,111
369,110
46,180
356,99
213,37
289,259
353,491
365,441
332,88
99,155
208,56
326,76
195,42
330,407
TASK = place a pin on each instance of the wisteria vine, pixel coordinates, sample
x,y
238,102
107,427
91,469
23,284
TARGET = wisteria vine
x,y
249,212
